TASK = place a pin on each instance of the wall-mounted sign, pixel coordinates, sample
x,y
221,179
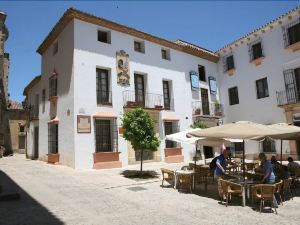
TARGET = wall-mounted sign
x,y
212,85
83,124
123,68
194,81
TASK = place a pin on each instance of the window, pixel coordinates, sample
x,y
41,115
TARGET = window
x,y
53,86
238,147
22,128
104,36
103,135
233,96
268,145
166,92
165,54
139,46
229,62
55,48
294,34
262,88
103,93
201,71
257,51
53,138
170,128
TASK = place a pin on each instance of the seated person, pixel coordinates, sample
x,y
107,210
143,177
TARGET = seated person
x,y
275,165
284,173
293,166
266,169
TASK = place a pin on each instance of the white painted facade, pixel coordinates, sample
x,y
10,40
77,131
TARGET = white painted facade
x,y
276,60
76,65
80,54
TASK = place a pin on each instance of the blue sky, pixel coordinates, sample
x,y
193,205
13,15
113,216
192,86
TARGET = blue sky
x,y
208,24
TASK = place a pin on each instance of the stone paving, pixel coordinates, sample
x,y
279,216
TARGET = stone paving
x,y
61,195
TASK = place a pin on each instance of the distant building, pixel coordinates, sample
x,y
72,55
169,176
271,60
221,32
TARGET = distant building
x,y
12,114
94,70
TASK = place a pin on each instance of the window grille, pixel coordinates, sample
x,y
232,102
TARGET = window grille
x,y
286,38
53,138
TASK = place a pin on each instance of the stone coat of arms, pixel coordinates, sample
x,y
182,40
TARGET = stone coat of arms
x,y
123,68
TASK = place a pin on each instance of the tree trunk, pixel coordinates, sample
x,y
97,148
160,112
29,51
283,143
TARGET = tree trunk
x,y
141,170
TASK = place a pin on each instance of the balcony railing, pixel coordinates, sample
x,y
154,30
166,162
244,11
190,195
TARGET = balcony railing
x,y
288,96
33,112
169,105
148,100
212,109
104,98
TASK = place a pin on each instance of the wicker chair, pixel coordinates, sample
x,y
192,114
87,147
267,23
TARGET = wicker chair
x,y
264,192
286,187
278,188
167,175
186,167
201,176
185,182
230,188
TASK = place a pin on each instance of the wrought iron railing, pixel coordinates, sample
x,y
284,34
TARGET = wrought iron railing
x,y
169,105
104,98
131,99
213,109
288,96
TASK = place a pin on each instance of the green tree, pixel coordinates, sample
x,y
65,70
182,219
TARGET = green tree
x,y
198,124
139,130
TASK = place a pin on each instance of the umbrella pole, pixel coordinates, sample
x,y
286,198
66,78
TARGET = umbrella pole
x,y
195,154
281,151
244,174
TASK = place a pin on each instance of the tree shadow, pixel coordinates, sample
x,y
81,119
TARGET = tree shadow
x,y
135,174
24,211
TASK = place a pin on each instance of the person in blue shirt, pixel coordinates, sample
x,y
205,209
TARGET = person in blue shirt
x,y
266,169
268,173
220,170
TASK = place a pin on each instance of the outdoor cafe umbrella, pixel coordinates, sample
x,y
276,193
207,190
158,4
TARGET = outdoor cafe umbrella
x,y
245,130
182,138
286,132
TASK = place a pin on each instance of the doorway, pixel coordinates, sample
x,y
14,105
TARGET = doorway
x,y
139,90
36,143
205,101
208,152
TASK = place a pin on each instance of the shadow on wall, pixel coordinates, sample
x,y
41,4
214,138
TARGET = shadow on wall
x,y
24,211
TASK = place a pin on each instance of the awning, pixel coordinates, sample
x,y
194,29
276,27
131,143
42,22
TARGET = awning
x,y
105,115
55,120
170,118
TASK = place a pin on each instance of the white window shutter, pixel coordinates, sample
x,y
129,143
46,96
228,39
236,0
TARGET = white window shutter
x,y
250,52
285,36
224,64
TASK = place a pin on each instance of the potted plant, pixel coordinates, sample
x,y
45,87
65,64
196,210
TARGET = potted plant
x,y
198,111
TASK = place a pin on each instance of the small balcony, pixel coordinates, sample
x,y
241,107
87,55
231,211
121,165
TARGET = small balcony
x,y
287,97
104,98
209,109
33,112
147,100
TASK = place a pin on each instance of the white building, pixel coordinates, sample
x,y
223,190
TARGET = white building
x,y
259,79
94,70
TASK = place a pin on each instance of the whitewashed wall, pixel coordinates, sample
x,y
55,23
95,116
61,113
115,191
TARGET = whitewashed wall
x,y
62,63
265,110
90,54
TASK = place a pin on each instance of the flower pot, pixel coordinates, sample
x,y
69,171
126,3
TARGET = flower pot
x,y
53,158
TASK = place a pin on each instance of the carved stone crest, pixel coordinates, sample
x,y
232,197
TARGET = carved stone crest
x,y
123,68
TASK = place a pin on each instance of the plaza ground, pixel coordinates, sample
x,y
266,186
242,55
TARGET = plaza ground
x,y
61,195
